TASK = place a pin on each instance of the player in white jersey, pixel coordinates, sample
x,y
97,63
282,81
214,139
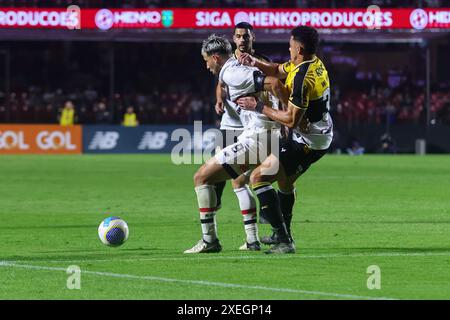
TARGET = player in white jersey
x,y
231,127
248,151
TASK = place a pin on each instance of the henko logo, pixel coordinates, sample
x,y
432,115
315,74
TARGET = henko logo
x,y
104,140
241,17
419,19
104,19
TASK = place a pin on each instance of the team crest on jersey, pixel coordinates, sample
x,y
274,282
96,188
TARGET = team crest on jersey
x,y
167,18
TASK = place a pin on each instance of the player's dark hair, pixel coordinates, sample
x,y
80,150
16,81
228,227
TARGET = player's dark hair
x,y
308,36
216,45
243,25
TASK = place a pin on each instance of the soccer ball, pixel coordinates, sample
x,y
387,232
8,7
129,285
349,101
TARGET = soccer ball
x,y
113,231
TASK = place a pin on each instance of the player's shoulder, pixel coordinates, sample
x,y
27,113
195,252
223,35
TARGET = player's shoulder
x,y
288,67
318,67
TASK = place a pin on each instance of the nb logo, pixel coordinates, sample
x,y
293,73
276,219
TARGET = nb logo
x,y
104,140
153,140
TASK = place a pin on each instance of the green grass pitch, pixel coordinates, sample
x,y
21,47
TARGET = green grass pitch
x,y
351,213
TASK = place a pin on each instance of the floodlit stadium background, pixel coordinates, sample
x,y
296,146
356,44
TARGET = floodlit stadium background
x,y
390,87
388,65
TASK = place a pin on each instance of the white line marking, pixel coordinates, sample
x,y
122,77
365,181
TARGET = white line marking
x,y
195,282
256,257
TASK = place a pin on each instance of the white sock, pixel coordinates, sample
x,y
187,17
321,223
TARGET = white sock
x,y
247,204
207,202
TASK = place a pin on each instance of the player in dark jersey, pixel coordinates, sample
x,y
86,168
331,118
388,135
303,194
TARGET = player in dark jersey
x,y
307,116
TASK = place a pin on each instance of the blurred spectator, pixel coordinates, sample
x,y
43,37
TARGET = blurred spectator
x,y
356,149
387,144
130,118
67,116
102,115
196,109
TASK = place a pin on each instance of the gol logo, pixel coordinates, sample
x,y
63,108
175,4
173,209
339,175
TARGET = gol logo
x,y
13,140
55,140
44,140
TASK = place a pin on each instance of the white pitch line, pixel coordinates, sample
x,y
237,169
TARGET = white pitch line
x,y
195,282
257,257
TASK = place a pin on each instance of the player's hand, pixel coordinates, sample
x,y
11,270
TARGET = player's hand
x,y
304,125
219,107
247,59
247,103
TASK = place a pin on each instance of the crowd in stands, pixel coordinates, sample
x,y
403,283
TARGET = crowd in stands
x,y
154,81
374,105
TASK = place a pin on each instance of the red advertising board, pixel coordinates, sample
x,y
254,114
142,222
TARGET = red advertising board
x,y
106,19
40,139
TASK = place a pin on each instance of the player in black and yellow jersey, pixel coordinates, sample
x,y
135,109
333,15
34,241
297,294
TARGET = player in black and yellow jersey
x,y
311,130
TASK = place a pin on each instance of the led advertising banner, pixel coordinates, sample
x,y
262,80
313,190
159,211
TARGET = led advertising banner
x,y
148,18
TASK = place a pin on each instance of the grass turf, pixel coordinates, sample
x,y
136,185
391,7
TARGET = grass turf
x,y
352,212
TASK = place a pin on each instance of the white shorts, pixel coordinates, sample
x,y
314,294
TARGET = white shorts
x,y
248,152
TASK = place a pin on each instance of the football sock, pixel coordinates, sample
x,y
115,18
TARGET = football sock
x,y
207,202
287,200
270,207
247,205
219,190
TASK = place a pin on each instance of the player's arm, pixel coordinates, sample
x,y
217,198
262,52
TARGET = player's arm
x,y
269,68
219,98
289,117
296,107
278,89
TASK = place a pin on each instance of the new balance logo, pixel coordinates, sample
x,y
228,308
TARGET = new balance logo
x,y
153,140
104,140
283,150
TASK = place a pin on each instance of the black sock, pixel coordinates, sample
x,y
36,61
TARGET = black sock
x,y
219,190
269,205
287,201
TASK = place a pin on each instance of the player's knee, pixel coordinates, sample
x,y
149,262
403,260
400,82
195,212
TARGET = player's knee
x,y
256,177
239,182
200,177
286,187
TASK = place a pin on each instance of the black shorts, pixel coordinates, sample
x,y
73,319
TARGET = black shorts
x,y
232,137
297,157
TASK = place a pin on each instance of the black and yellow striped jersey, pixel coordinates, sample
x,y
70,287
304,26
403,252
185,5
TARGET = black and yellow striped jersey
x,y
309,86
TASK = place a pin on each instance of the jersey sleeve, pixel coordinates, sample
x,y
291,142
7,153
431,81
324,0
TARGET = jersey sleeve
x,y
287,67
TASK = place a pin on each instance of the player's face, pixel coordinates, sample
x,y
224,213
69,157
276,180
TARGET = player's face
x,y
294,49
243,38
211,63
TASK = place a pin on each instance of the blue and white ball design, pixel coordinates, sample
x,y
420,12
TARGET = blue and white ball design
x,y
113,231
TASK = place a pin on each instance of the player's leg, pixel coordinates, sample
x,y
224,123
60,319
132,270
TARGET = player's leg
x,y
228,137
287,196
296,158
261,181
247,204
204,179
223,166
